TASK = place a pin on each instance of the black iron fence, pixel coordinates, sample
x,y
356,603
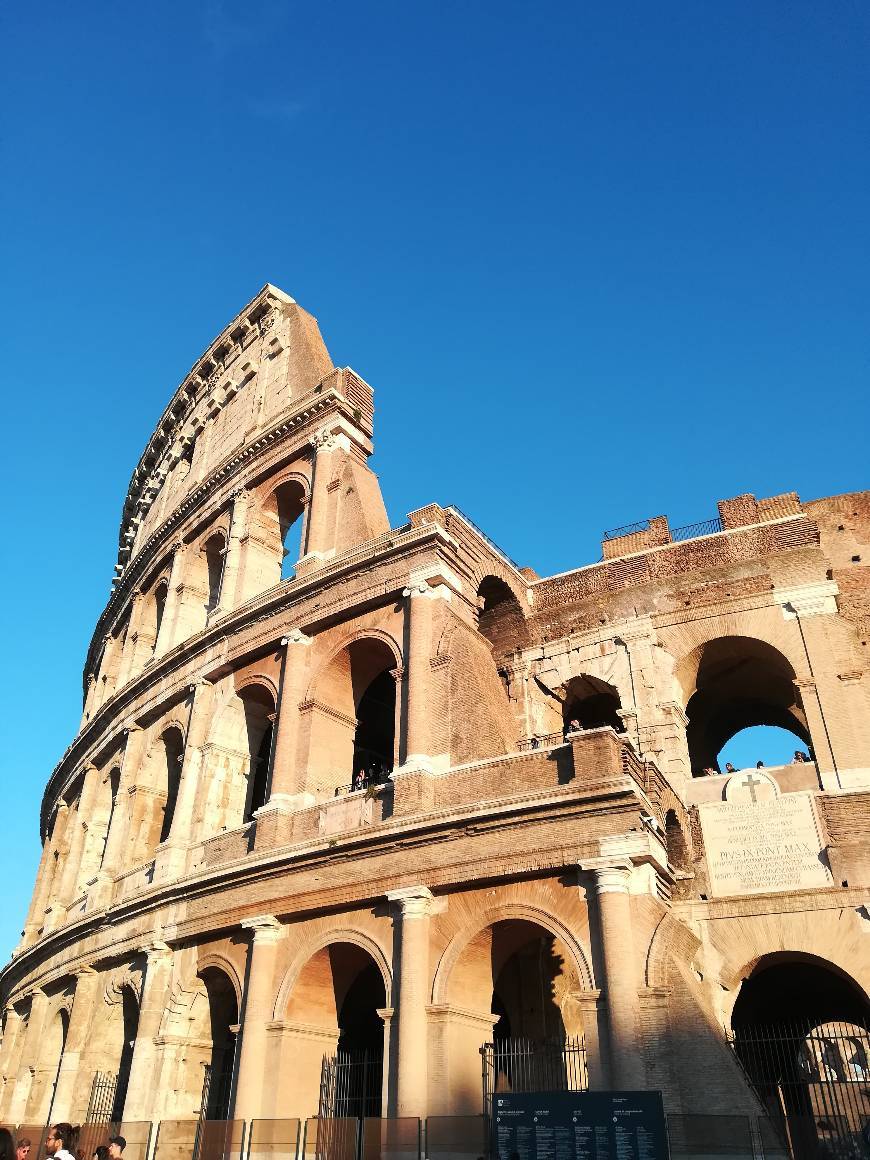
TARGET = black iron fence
x,y
102,1101
350,1085
814,1085
528,1065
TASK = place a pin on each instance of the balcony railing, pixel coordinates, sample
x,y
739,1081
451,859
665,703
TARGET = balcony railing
x,y
691,531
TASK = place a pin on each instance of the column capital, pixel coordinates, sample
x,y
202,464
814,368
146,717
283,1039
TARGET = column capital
x,y
296,636
414,901
612,875
84,973
155,950
201,683
265,928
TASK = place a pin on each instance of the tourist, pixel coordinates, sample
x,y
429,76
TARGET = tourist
x,y
359,779
117,1144
22,1149
729,768
101,1152
7,1145
711,771
573,726
61,1141
759,765
799,757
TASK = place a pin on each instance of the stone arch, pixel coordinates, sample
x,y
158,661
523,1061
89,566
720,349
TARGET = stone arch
x,y
238,752
731,682
219,962
491,568
501,615
350,723
279,516
344,934
503,913
671,939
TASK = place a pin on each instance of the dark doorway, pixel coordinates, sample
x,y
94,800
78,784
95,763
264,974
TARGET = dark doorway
x,y
373,740
131,1027
223,1020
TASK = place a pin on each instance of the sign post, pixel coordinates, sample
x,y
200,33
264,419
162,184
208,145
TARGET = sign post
x,y
579,1126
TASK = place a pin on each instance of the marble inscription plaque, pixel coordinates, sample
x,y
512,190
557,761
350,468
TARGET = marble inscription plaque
x,y
756,847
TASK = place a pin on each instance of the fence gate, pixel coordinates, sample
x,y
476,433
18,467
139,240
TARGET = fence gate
x,y
350,1085
102,1101
528,1065
814,1085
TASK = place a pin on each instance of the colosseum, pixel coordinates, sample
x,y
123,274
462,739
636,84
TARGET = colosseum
x,y
370,822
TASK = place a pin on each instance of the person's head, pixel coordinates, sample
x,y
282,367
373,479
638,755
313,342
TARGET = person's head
x,y
22,1148
60,1136
7,1145
117,1144
759,765
729,767
101,1152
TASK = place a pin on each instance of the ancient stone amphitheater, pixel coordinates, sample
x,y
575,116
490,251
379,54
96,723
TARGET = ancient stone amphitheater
x,y
365,820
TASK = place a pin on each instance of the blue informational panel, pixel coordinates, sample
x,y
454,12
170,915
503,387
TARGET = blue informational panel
x,y
580,1126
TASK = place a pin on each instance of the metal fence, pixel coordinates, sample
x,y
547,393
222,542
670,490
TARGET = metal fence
x,y
528,1065
691,531
200,1140
101,1105
350,1085
814,1085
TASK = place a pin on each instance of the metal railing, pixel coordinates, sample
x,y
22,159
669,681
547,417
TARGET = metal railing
x,y
626,530
528,1065
457,511
691,531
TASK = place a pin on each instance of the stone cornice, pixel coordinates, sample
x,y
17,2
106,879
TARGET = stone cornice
x,y
535,807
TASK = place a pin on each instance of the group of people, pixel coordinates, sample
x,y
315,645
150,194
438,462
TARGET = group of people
x,y
798,759
61,1143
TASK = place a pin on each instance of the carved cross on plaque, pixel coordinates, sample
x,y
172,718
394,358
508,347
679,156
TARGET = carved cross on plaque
x,y
751,786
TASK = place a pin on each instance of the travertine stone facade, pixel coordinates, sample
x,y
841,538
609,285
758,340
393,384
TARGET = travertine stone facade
x,y
210,893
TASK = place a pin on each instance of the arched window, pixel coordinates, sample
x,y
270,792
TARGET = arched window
x,y
500,617
591,703
223,1010
214,551
161,593
259,716
289,505
733,684
173,747
114,785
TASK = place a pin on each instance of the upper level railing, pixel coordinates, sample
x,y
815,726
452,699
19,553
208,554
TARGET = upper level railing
x,y
702,528
451,507
626,530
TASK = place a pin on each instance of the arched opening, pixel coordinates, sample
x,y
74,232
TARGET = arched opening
x,y
130,1013
591,703
113,785
525,980
354,742
731,684
259,709
500,617
214,551
281,523
769,744
223,1014
161,592
53,1046
173,755
800,1030
339,991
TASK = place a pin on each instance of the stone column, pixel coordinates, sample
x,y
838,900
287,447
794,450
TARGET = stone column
x,y
417,746
414,907
80,1024
231,578
611,879
166,636
155,988
259,998
12,1026
128,653
320,535
78,822
29,1056
286,791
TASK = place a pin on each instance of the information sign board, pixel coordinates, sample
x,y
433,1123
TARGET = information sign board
x,y
580,1126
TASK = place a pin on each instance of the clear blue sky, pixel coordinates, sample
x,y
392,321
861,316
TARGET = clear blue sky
x,y
599,261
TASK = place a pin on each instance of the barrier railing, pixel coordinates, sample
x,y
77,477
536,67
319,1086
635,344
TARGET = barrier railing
x,y
456,1137
273,1139
200,1140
